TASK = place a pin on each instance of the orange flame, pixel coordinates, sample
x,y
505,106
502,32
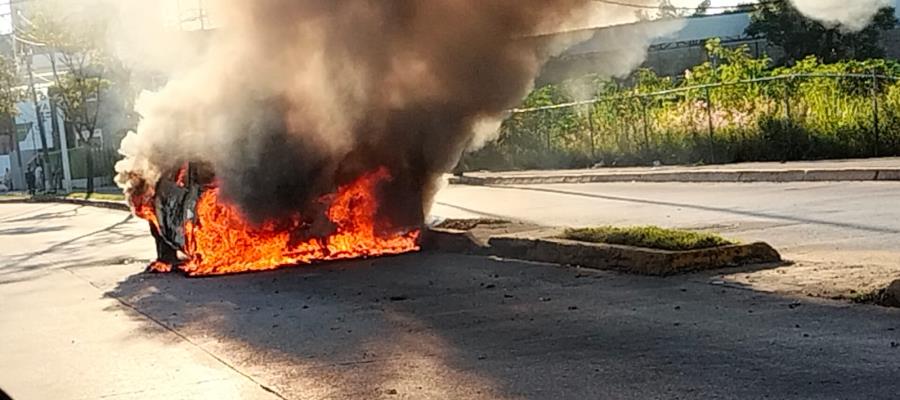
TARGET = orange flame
x,y
142,206
181,178
159,266
220,241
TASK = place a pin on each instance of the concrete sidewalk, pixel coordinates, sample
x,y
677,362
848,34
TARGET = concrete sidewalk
x,y
873,169
61,337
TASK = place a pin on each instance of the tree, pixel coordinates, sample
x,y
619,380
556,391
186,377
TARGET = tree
x,y
784,26
665,10
10,94
80,67
702,8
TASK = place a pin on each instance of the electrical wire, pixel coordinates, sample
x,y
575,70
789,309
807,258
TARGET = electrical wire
x,y
657,7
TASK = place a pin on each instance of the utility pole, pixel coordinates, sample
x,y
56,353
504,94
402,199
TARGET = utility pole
x,y
63,143
12,120
60,128
202,13
38,114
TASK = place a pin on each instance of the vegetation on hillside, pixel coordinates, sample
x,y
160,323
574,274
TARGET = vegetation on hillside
x,y
733,108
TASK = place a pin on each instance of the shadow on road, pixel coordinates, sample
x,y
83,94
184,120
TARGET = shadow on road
x,y
444,326
782,217
83,250
31,230
69,212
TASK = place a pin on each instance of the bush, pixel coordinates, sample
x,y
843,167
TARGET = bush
x,y
788,116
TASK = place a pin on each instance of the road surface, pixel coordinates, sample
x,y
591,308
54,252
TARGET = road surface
x,y
845,237
79,321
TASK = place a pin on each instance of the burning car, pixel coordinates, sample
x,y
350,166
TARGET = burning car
x,y
200,233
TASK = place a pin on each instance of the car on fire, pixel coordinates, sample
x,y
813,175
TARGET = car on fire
x,y
199,233
174,203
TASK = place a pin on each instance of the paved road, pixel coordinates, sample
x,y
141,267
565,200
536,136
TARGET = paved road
x,y
61,338
78,321
844,236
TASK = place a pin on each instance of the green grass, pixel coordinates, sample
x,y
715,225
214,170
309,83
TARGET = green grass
x,y
96,196
647,236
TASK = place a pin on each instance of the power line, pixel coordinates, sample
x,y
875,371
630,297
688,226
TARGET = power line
x,y
657,7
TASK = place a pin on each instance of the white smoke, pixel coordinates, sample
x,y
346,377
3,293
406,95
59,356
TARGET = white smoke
x,y
849,15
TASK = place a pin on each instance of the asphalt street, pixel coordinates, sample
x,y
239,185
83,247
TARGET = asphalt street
x,y
844,236
80,321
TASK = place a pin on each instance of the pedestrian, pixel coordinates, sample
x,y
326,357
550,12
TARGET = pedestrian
x,y
29,179
39,178
7,180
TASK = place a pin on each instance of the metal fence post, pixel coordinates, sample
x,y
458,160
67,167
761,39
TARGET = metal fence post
x,y
590,117
787,120
787,100
617,126
709,119
646,122
875,127
549,145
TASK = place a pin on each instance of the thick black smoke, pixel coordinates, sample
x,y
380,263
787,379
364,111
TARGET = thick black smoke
x,y
295,98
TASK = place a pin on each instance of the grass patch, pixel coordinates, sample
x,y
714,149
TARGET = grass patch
x,y
872,297
647,236
96,196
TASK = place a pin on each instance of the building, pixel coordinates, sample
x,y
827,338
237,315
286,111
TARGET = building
x,y
672,46
116,116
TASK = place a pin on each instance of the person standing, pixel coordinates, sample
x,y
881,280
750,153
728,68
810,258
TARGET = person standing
x,y
39,177
29,179
8,181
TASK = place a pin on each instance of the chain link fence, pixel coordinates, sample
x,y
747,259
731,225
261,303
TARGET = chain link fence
x,y
789,117
104,161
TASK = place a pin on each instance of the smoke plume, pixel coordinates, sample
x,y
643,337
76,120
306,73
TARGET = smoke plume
x,y
293,98
849,15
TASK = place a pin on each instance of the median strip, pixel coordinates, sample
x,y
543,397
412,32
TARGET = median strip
x,y
639,250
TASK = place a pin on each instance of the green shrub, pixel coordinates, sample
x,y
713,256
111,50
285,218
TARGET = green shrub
x,y
787,118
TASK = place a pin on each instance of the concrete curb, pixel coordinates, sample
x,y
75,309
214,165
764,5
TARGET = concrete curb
x,y
890,296
635,260
792,175
452,241
113,205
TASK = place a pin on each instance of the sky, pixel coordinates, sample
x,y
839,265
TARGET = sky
x,y
6,25
5,17
6,22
